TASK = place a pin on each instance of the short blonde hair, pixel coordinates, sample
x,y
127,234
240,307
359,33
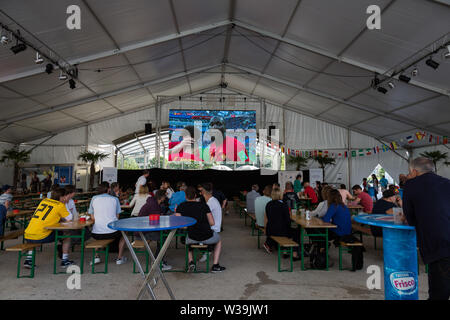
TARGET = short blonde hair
x,y
143,190
276,194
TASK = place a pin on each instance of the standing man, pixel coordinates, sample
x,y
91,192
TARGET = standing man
x,y
298,184
426,204
47,183
5,202
383,183
142,181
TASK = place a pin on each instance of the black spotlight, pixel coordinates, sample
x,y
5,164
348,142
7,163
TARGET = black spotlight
x,y
19,47
431,63
375,82
72,84
382,90
404,78
49,68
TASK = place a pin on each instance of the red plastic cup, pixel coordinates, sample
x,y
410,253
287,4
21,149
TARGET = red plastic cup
x,y
75,201
16,211
153,217
82,219
16,201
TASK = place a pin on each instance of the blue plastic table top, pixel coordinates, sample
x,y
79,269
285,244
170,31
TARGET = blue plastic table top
x,y
381,220
144,224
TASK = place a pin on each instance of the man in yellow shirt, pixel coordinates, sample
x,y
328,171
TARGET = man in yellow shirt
x,y
49,212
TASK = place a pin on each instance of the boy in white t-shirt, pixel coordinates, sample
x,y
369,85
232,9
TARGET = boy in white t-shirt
x,y
104,209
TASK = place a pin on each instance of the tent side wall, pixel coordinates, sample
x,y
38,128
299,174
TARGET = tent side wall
x,y
6,173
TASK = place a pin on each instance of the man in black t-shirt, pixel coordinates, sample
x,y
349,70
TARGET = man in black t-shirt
x,y
200,232
384,206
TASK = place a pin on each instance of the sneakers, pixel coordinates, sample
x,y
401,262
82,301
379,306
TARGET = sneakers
x,y
27,264
66,263
217,268
191,267
203,258
121,261
267,248
165,266
96,261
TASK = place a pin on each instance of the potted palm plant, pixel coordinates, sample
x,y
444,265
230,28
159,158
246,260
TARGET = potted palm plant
x,y
299,161
14,157
92,158
324,162
436,157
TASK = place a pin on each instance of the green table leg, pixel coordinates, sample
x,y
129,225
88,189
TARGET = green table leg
x,y
326,247
82,251
55,251
301,248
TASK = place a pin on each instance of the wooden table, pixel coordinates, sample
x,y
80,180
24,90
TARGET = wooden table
x,y
354,208
21,214
314,223
65,226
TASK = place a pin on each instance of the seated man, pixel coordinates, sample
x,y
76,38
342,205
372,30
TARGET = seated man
x,y
363,198
250,198
153,206
104,209
310,193
290,197
6,201
384,206
49,212
200,232
260,205
178,197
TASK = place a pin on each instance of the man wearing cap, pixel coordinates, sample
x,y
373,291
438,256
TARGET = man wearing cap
x,y
5,201
384,206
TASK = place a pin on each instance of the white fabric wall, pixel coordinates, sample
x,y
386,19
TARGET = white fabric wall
x,y
6,173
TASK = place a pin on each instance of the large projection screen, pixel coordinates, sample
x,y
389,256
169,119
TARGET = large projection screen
x,y
212,136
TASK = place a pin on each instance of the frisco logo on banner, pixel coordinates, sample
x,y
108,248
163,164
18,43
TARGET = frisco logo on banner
x,y
403,282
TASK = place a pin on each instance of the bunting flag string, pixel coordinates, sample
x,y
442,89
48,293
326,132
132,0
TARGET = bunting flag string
x,y
394,145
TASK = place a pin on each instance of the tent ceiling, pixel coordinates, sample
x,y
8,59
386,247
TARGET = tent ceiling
x,y
177,47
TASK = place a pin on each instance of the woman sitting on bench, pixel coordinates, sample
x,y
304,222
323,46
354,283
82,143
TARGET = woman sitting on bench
x,y
278,223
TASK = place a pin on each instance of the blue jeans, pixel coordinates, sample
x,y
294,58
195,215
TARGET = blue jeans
x,y
3,212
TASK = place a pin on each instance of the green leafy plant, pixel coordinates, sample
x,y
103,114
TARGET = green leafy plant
x,y
436,157
14,157
324,162
92,158
298,161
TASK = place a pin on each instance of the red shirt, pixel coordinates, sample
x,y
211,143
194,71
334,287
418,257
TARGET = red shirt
x,y
311,194
366,202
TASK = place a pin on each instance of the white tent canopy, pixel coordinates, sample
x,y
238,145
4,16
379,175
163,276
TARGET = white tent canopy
x,y
312,68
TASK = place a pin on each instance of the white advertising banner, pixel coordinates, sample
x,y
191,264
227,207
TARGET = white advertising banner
x,y
315,175
110,174
285,176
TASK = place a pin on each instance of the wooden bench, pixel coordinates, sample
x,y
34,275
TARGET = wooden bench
x,y
96,247
285,246
200,249
10,236
347,246
358,228
23,249
139,248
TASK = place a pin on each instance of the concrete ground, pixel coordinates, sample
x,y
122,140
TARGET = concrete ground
x,y
251,274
